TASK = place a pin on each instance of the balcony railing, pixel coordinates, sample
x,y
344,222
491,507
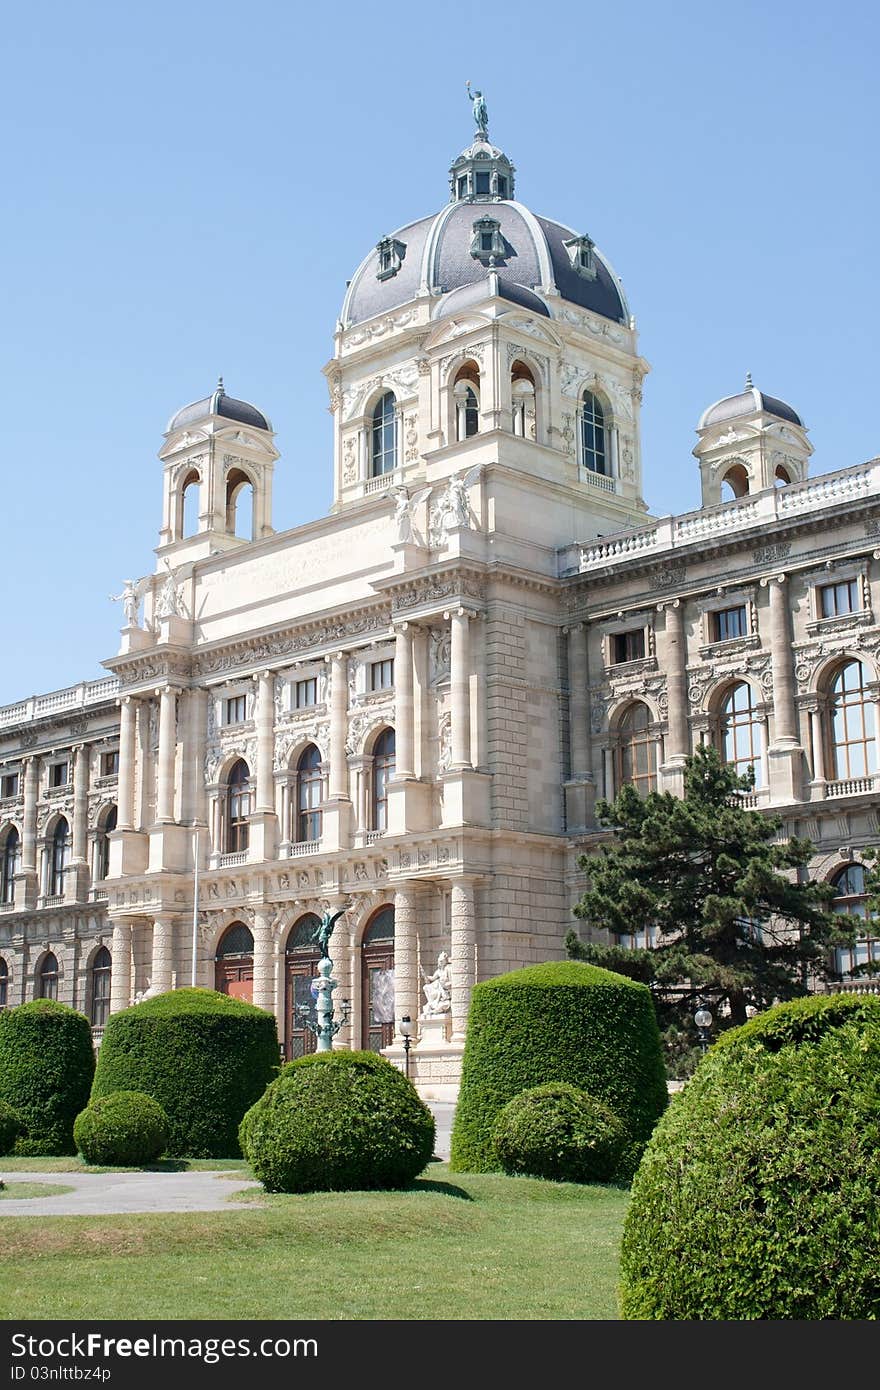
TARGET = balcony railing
x,y
297,848
851,786
73,697
229,861
372,836
869,985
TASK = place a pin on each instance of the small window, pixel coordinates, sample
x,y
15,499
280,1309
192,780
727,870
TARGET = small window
x,y
48,978
110,763
382,675
487,243
837,599
728,623
101,971
383,442
581,254
9,784
462,186
59,774
306,693
594,451
235,710
627,646
502,186
391,253
483,183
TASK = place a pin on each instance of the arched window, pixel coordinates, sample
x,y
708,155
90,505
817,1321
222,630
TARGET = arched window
x,y
10,865
109,825
383,771
735,483
637,750
100,990
466,394
239,504
234,963
523,397
189,506
741,732
383,436
4,984
59,857
594,434
781,477
302,955
238,807
309,794
851,723
377,982
47,984
852,899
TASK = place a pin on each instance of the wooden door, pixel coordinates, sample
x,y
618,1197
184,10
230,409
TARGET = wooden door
x,y
302,969
377,1007
235,978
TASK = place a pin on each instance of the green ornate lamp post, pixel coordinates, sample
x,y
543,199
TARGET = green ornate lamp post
x,y
326,1029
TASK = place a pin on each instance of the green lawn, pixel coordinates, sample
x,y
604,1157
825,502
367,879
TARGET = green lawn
x,y
454,1246
12,1191
75,1164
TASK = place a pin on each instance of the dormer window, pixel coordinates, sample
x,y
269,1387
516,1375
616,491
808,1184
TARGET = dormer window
x,y
483,183
391,253
487,243
580,252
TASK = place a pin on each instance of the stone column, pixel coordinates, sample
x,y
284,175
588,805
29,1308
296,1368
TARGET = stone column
x,y
578,700
264,964
120,975
193,799
167,754
406,979
464,935
338,787
80,804
163,953
460,690
678,737
265,722
784,714
29,827
403,702
818,745
125,786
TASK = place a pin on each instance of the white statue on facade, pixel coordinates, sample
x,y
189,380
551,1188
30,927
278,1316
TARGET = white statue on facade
x,y
132,592
437,988
169,604
453,507
404,510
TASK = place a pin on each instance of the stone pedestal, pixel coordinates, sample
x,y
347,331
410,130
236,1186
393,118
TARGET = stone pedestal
x,y
465,797
435,1061
336,823
129,853
134,639
26,889
262,837
671,778
580,800
174,630
170,848
785,765
409,805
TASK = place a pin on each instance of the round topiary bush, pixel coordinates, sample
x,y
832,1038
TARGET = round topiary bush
x,y
46,1067
203,1056
10,1127
759,1192
338,1122
559,1132
127,1128
564,1021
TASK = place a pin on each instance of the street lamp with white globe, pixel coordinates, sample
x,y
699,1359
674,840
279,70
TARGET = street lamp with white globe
x,y
703,1020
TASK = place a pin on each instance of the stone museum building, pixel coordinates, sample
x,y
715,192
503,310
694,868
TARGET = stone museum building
x,y
407,708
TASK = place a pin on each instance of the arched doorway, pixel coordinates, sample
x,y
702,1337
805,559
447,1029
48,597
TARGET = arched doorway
x,y
377,976
301,966
234,968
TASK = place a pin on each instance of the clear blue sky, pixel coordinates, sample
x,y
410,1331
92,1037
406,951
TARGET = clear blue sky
x,y
188,186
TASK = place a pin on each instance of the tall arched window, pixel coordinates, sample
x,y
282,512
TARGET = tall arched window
x,y
100,988
852,900
238,807
594,434
239,504
637,750
523,399
383,436
383,771
59,857
10,865
4,984
309,794
189,506
735,483
108,825
47,983
466,396
852,723
741,732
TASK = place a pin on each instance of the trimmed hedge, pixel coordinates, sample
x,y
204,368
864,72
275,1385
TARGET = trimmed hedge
x,y
10,1127
564,1021
759,1192
203,1056
558,1132
46,1067
126,1128
338,1122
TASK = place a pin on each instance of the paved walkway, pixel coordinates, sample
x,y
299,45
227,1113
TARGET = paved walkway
x,y
105,1194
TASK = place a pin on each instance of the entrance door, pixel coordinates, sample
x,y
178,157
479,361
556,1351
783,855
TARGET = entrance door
x,y
301,961
377,975
234,963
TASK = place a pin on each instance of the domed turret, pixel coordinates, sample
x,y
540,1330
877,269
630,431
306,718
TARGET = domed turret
x,y
218,403
748,442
